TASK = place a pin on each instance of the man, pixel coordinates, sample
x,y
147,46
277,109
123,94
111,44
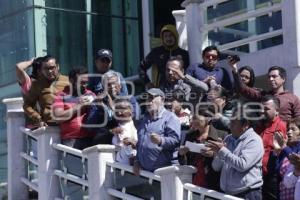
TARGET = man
x,y
103,62
208,71
239,158
159,56
112,85
43,91
158,134
101,113
289,103
270,125
177,84
70,110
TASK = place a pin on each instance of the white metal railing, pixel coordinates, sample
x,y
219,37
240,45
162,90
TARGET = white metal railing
x,y
204,193
219,24
126,168
250,39
98,179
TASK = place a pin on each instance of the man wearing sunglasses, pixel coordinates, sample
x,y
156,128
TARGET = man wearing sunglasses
x,y
103,63
209,72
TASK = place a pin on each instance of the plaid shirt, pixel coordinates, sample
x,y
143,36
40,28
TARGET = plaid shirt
x,y
285,193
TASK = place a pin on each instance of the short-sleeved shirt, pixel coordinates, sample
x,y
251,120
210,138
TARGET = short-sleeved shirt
x,y
72,128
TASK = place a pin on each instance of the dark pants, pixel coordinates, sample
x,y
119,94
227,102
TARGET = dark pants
x,y
270,187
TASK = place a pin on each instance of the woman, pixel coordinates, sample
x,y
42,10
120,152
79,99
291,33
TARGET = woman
x,y
243,76
201,131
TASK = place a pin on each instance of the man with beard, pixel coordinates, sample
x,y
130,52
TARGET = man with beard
x,y
43,92
271,124
289,103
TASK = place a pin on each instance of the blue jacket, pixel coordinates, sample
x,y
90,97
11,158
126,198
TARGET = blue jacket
x,y
152,156
201,72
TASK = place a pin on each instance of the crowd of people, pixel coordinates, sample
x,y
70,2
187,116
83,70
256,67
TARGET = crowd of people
x,y
249,137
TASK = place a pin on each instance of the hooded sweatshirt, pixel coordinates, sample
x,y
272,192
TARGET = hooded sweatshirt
x,y
158,57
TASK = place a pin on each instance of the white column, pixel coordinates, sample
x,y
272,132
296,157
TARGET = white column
x,y
180,17
48,183
89,36
196,35
16,166
291,43
172,180
146,26
99,178
40,28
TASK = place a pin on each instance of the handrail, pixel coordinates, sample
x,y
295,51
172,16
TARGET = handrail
x,y
250,39
28,132
209,3
121,195
128,168
242,17
207,192
71,177
29,184
70,150
29,158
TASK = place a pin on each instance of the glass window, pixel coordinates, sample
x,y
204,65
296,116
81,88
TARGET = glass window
x,y
10,8
66,4
244,29
16,38
122,33
66,39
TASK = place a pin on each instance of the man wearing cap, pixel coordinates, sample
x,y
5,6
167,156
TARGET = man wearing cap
x,y
158,134
103,62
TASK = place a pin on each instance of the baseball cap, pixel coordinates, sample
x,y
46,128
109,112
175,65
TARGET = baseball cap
x,y
156,92
104,53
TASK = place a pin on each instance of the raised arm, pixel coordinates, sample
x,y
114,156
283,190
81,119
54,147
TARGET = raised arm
x,y
241,87
21,70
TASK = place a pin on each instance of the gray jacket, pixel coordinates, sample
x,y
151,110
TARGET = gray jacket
x,y
240,163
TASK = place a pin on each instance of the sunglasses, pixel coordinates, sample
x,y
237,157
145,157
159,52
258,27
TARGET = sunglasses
x,y
211,56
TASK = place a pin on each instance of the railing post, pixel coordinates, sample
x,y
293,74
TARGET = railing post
x,y
16,166
99,178
172,180
48,183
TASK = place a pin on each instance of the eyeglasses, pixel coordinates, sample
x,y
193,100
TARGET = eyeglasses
x,y
211,56
244,76
105,60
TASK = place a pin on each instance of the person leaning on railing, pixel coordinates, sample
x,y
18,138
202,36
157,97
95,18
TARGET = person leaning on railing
x,y
43,91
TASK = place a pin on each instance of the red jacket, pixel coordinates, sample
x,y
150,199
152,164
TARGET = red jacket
x,y
267,132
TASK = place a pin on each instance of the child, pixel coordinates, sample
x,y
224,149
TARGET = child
x,y
292,176
125,135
